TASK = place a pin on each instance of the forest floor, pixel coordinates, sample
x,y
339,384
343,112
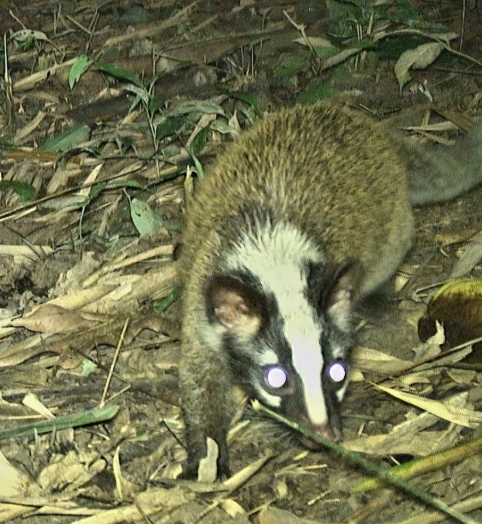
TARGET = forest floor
x,y
93,187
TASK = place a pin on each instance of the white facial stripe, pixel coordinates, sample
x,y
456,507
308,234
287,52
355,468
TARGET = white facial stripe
x,y
341,392
270,400
278,244
277,256
308,363
267,358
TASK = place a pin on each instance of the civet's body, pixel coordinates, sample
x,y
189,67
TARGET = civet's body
x,y
306,214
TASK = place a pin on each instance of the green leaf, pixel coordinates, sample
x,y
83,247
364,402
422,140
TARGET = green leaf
x,y
141,92
315,94
68,139
145,219
292,65
156,105
79,67
200,140
325,51
121,74
418,58
249,99
168,127
197,106
74,420
88,367
125,143
135,15
197,165
25,191
125,183
165,302
96,190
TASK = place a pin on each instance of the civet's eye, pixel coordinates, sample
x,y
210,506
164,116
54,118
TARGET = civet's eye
x,y
337,372
276,377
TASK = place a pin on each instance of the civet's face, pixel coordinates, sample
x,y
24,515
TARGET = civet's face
x,y
283,318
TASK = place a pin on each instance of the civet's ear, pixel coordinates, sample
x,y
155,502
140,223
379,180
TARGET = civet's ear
x,y
342,294
334,287
234,305
176,254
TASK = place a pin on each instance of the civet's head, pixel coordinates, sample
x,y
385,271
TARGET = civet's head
x,y
282,317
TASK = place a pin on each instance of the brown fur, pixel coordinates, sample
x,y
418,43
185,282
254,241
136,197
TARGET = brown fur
x,y
331,171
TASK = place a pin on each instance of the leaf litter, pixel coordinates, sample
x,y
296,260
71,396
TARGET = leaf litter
x,y
93,192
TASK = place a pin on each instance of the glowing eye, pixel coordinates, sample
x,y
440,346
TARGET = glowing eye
x,y
276,377
337,372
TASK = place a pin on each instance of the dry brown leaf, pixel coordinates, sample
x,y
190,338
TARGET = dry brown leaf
x,y
73,278
31,401
464,417
422,444
374,361
125,490
463,376
208,470
232,508
242,476
432,346
24,255
409,437
13,482
470,257
105,333
454,237
278,516
70,472
52,319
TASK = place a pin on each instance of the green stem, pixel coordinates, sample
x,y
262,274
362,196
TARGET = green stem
x,y
370,466
93,416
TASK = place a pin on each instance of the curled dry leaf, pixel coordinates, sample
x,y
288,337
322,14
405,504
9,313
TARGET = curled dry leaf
x,y
470,257
52,319
69,472
418,58
207,471
232,508
458,307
